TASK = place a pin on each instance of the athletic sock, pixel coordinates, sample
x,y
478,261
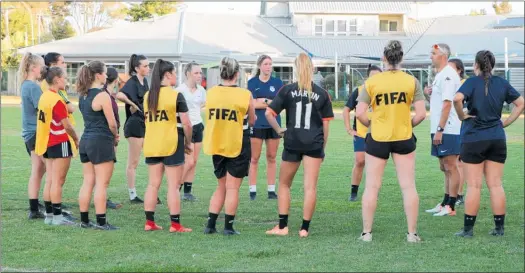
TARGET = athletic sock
x,y
49,207
228,221
469,222
305,225
445,200
452,203
283,221
212,220
175,218
132,193
101,219
57,209
33,205
460,197
271,188
499,221
150,216
355,188
187,187
84,217
253,188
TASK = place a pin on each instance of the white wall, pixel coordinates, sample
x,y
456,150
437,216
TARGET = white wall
x,y
367,25
277,9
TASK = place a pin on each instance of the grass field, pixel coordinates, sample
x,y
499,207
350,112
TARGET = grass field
x,y
332,245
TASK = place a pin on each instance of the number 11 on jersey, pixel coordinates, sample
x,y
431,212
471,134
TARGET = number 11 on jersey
x,y
307,115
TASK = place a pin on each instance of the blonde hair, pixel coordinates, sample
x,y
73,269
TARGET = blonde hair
x,y
25,65
305,71
228,68
260,60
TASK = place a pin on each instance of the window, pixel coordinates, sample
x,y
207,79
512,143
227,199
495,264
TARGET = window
x,y
335,27
383,25
387,26
352,26
393,26
329,27
341,28
318,27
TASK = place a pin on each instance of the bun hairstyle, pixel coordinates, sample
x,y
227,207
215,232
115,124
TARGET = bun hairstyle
x,y
25,65
50,73
189,67
112,76
228,68
371,68
86,75
393,52
51,58
160,68
459,65
486,62
260,60
134,62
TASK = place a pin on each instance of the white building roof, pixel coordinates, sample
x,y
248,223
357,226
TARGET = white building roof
x,y
369,7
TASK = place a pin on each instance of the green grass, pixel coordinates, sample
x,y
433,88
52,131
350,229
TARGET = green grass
x,y
332,244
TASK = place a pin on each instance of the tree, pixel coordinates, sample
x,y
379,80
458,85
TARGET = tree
x,y
474,12
62,29
89,15
147,9
502,8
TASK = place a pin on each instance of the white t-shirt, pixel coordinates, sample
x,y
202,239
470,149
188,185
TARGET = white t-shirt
x,y
444,88
194,100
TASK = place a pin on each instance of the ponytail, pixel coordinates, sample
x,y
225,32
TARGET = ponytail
x,y
27,61
86,76
50,73
134,62
159,69
486,62
305,69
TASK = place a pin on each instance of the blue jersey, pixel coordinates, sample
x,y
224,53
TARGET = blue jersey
x,y
487,109
267,90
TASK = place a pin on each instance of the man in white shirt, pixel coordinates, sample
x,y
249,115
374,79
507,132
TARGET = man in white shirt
x,y
445,127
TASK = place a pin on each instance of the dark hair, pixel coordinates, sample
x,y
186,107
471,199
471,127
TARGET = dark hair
x,y
160,68
486,62
50,58
50,73
134,61
260,60
112,76
228,68
460,66
371,68
189,67
86,75
393,52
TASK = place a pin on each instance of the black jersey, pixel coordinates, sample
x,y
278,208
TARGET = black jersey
x,y
304,116
135,93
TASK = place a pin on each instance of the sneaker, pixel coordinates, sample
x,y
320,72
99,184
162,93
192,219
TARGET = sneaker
x,y
136,200
151,226
465,233
277,231
446,211
460,201
353,197
229,232
41,207
107,226
272,195
63,222
497,232
178,228
210,230
33,215
303,233
49,219
87,225
413,238
188,197
436,209
112,205
67,215
253,195
365,237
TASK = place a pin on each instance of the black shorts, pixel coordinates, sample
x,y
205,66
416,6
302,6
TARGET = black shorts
x,y
197,133
134,127
384,149
97,150
175,159
31,144
264,133
238,166
297,156
479,151
61,150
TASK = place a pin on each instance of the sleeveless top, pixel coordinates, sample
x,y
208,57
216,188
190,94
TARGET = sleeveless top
x,y
95,123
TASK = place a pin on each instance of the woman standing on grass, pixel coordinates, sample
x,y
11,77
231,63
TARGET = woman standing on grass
x,y
264,88
132,94
483,140
358,131
391,94
97,152
29,74
53,136
195,96
167,139
308,113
